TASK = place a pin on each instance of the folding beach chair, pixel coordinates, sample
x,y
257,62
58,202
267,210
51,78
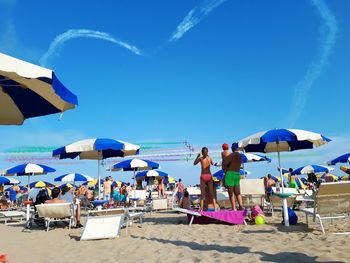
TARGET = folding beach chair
x,y
56,213
331,201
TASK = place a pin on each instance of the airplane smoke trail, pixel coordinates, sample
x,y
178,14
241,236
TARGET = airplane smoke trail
x,y
315,69
59,40
194,17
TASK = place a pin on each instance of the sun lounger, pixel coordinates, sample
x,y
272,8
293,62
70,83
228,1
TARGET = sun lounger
x,y
130,216
331,201
55,213
223,216
253,192
102,224
15,217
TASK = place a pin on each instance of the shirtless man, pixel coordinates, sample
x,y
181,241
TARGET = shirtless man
x,y
231,166
55,194
206,177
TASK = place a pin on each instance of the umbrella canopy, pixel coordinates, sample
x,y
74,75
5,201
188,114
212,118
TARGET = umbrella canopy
x,y
28,169
8,181
134,165
345,169
21,188
346,178
280,140
116,183
252,157
312,168
68,185
27,90
275,178
96,149
151,173
93,182
73,177
40,184
323,176
345,158
219,175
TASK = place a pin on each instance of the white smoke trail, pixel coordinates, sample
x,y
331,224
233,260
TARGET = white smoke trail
x,y
82,33
314,71
194,17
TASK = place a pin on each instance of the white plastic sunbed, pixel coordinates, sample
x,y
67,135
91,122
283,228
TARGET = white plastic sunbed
x,y
15,217
56,212
331,201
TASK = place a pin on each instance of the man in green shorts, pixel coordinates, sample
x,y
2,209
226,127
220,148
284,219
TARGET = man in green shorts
x,y
231,166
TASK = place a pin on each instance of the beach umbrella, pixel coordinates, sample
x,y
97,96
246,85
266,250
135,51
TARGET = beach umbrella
x,y
345,158
74,177
282,140
252,157
96,149
28,169
8,181
323,176
21,188
151,173
303,180
345,169
68,185
219,175
134,165
346,178
275,178
28,90
41,184
93,182
313,168
116,183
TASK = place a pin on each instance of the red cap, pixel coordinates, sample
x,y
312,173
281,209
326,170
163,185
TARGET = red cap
x,y
225,146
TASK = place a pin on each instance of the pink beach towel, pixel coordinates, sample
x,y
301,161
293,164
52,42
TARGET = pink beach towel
x,y
226,216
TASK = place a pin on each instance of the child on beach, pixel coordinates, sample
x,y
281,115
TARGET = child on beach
x,y
206,178
186,201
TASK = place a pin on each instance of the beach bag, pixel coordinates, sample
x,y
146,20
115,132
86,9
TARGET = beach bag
x,y
256,210
293,218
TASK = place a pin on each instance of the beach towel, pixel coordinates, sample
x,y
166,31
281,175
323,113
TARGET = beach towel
x,y
223,216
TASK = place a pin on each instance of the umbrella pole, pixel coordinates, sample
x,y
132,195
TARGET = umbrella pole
x,y
28,205
284,200
99,179
134,183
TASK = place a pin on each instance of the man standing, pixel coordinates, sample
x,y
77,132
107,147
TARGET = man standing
x,y
231,166
180,191
107,189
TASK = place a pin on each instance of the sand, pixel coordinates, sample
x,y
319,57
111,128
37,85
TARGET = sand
x,y
165,237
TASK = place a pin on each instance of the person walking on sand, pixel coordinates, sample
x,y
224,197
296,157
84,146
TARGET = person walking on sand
x,y
206,178
231,166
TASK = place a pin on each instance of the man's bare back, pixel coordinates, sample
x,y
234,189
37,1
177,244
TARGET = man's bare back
x,y
232,162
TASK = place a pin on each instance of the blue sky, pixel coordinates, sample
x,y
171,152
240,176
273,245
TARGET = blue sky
x,y
242,67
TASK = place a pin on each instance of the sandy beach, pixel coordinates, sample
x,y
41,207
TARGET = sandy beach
x,y
165,237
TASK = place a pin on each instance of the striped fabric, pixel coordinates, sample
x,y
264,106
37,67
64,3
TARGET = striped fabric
x,y
135,165
74,177
27,90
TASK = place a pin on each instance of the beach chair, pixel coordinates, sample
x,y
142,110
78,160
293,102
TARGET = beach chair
x,y
130,216
56,213
15,217
101,224
331,201
253,192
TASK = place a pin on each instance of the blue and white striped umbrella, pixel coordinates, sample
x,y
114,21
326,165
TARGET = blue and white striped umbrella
x,y
28,169
8,181
96,149
252,157
220,174
74,177
27,90
282,140
134,165
345,158
312,168
151,173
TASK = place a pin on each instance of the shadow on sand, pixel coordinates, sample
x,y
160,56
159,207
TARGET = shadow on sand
x,y
278,257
